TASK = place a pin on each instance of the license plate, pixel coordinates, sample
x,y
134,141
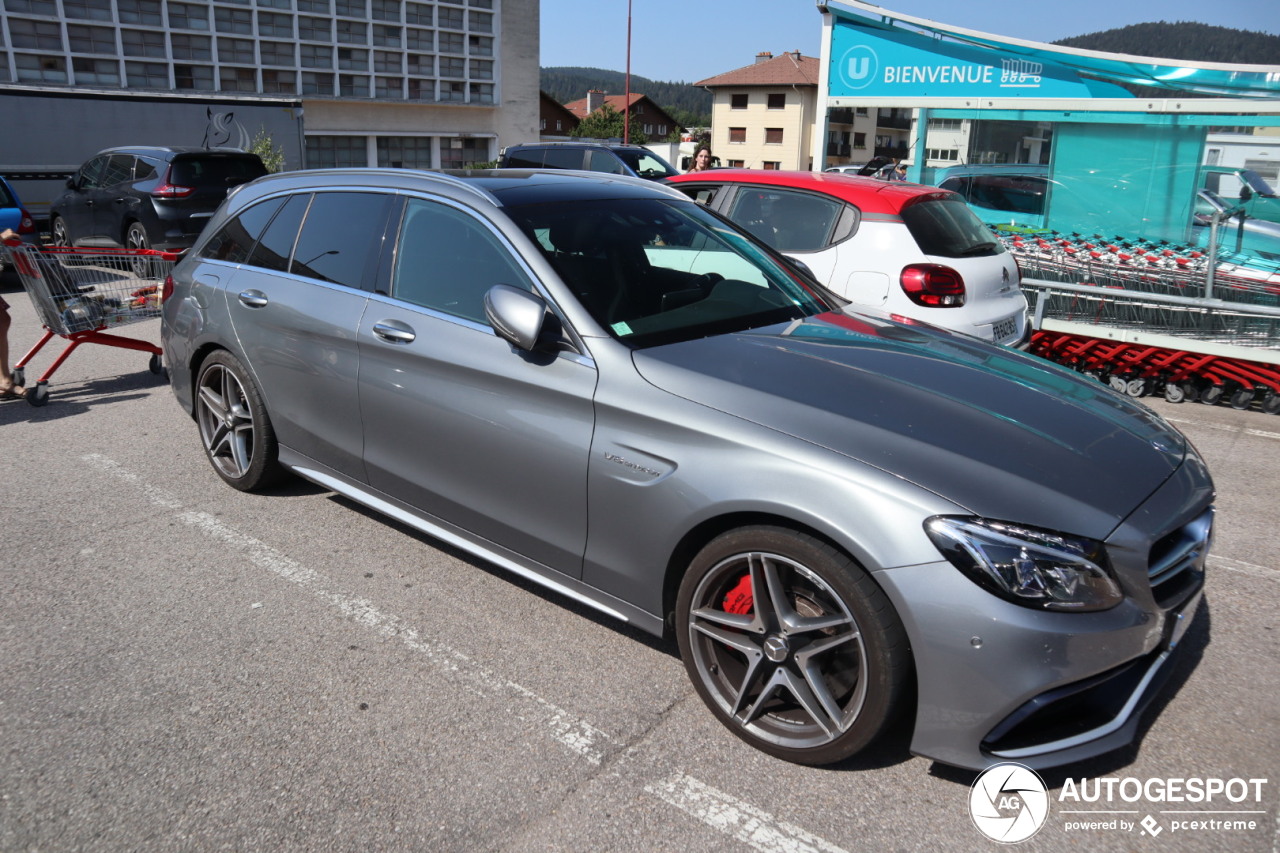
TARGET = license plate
x,y
1006,328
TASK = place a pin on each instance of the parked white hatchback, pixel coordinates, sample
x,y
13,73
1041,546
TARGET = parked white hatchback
x,y
916,251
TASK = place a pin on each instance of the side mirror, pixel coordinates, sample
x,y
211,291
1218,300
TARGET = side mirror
x,y
1245,192
518,316
71,183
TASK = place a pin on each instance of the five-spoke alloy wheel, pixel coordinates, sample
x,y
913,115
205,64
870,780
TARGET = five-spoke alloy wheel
x,y
234,426
791,644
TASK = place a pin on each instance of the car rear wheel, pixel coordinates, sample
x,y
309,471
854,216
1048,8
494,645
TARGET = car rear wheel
x,y
234,426
791,644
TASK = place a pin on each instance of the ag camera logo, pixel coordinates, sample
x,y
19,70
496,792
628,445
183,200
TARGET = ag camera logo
x,y
1009,803
858,66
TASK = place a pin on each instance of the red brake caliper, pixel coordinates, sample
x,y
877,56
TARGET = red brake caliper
x,y
739,600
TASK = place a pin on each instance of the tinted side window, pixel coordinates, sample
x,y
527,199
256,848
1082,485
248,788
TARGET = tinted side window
x,y
447,260
564,158
336,242
699,192
603,161
90,172
119,170
146,168
234,241
525,158
276,245
788,221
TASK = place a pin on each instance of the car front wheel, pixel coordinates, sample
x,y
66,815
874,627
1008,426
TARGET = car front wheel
x,y
58,233
234,426
791,644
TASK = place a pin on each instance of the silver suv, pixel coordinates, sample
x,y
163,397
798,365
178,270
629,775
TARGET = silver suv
x,y
844,519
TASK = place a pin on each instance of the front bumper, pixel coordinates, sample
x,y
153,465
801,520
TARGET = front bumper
x,y
999,682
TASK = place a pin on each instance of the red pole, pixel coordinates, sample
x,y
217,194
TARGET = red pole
x,y
626,104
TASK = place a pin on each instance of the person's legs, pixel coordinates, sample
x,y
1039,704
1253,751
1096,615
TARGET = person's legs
x,y
7,387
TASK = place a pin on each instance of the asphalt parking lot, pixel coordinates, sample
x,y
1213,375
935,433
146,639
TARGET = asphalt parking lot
x,y
186,667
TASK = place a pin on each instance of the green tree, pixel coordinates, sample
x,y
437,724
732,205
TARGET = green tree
x,y
265,147
606,123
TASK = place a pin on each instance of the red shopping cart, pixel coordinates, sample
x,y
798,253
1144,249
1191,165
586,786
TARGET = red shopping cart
x,y
79,293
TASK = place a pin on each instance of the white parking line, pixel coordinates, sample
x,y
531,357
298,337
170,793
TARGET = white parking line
x,y
1224,427
1244,568
736,818
578,735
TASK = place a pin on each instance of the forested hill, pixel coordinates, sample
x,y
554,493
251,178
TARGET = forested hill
x,y
686,103
1185,40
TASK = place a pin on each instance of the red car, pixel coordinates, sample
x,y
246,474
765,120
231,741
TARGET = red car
x,y
913,250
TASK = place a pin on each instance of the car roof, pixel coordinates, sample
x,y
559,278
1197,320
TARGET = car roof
x,y
167,151
500,187
870,194
594,144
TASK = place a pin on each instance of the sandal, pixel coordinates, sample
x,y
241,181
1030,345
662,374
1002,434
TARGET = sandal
x,y
13,392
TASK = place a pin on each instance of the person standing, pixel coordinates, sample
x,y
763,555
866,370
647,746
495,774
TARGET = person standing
x,y
9,390
701,161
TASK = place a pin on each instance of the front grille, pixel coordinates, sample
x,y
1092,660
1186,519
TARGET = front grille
x,y
1176,563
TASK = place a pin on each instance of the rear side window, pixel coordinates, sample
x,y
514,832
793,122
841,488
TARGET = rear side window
x,y
564,158
212,171
524,158
947,228
6,199
119,170
234,241
788,221
276,245
336,243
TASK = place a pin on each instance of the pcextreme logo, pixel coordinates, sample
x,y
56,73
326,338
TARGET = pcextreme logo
x,y
1010,803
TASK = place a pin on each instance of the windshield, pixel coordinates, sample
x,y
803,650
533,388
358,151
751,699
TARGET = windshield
x,y
653,271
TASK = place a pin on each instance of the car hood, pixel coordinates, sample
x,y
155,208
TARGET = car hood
x,y
1005,435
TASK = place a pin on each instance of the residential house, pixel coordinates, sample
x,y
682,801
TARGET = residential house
x,y
554,119
763,115
646,116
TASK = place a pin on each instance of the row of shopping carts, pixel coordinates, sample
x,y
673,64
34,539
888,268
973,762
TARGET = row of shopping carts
x,y
1155,317
81,294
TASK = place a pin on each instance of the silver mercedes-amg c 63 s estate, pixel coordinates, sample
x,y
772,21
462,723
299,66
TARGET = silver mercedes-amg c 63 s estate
x,y
844,518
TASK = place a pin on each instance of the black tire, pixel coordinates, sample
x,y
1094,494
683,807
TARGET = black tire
x,y
1212,394
58,233
235,428
748,661
1270,403
1242,398
136,240
39,395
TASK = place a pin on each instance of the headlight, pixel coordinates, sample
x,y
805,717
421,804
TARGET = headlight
x,y
1026,565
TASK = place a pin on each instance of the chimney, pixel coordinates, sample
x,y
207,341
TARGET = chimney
x,y
763,56
595,100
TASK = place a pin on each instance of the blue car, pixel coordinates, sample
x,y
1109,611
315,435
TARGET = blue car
x,y
14,216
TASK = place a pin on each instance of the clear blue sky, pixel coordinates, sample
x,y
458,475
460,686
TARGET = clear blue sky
x,y
689,41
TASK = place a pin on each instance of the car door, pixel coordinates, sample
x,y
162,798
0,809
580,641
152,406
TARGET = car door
x,y
457,423
296,306
799,224
113,201
76,205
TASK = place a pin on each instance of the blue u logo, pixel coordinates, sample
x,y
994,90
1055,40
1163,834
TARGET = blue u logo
x,y
858,67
